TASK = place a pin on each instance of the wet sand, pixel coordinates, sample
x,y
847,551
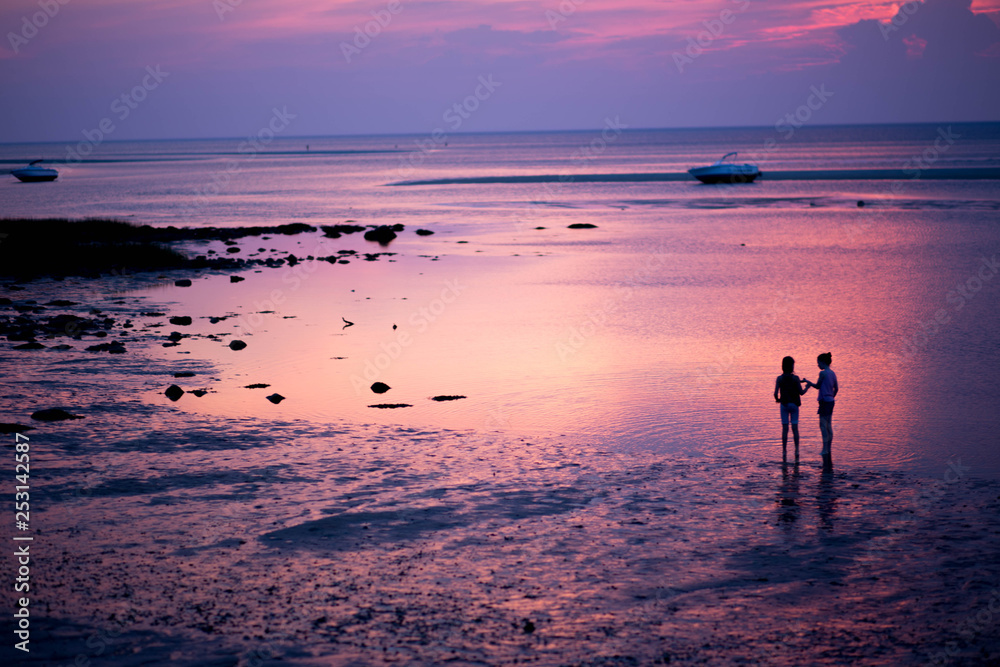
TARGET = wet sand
x,y
208,542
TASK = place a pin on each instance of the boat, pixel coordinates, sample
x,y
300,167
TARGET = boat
x,y
726,172
35,174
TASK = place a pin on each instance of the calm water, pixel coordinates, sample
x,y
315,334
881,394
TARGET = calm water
x,y
661,330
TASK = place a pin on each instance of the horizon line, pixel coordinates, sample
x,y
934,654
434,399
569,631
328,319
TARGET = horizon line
x,y
510,132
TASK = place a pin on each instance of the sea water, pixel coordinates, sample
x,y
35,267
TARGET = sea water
x,y
661,329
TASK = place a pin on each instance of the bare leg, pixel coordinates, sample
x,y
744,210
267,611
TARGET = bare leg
x,y
826,429
795,437
784,436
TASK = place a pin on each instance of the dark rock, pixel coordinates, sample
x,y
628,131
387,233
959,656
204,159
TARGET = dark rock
x,y
380,387
424,232
114,347
582,225
861,203
53,415
382,234
198,392
183,282
292,260
184,374
259,385
276,398
153,314
237,345
390,406
173,392
447,398
29,346
236,279
528,627
175,336
61,347
15,428
181,321
232,249
62,303
100,334
334,231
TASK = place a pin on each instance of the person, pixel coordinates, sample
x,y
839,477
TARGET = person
x,y
788,391
827,386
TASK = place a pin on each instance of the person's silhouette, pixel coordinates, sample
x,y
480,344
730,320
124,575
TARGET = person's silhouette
x,y
827,386
787,392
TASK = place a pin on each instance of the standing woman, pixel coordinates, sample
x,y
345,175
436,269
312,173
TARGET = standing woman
x,y
827,386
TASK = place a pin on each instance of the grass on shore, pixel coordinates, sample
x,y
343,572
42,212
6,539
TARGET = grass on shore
x,y
31,248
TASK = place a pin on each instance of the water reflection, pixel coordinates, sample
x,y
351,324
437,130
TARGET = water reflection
x,y
788,506
826,496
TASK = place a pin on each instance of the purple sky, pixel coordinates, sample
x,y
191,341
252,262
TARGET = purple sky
x,y
222,66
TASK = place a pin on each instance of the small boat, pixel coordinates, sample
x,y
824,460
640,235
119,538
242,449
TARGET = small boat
x,y
726,172
35,174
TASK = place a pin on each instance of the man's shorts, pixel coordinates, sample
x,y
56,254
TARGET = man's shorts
x,y
789,413
825,408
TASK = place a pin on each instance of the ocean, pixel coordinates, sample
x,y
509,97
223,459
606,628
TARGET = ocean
x,y
662,329
577,459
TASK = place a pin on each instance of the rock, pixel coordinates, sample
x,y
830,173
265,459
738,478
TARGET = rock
x,y
380,387
257,386
582,225
62,303
528,627
861,203
175,336
15,428
292,260
232,249
181,321
184,374
447,398
29,346
236,279
237,345
183,282
114,347
61,347
276,398
424,232
382,234
198,392
53,415
173,392
390,406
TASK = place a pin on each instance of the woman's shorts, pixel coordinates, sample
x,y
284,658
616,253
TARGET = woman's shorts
x,y
789,413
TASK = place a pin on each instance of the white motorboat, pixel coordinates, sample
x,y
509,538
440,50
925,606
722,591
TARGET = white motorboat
x,y
35,174
726,172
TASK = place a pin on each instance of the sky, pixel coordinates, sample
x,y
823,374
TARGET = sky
x,y
164,69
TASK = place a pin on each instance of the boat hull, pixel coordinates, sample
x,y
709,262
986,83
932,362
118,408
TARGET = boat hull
x,y
726,174
35,175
